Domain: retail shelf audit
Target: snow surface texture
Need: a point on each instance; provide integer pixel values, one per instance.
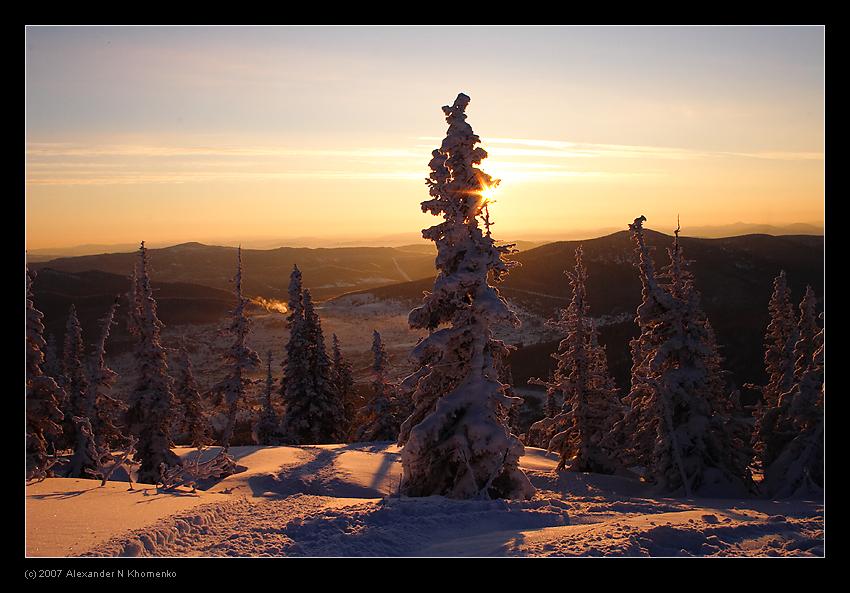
(340, 500)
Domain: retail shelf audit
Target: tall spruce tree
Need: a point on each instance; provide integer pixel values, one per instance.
(74, 379)
(772, 429)
(43, 415)
(591, 406)
(313, 409)
(675, 425)
(52, 365)
(193, 420)
(240, 359)
(151, 402)
(797, 467)
(329, 410)
(343, 381)
(98, 407)
(807, 330)
(455, 441)
(296, 390)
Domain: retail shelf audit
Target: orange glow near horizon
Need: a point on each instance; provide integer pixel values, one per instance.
(322, 136)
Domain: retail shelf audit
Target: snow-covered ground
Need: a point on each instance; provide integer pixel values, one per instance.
(341, 500)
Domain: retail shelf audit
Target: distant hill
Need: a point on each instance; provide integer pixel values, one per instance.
(747, 228)
(326, 272)
(92, 292)
(735, 276)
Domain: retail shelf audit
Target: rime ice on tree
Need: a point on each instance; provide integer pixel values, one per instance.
(151, 400)
(42, 395)
(795, 462)
(313, 409)
(74, 379)
(193, 421)
(676, 425)
(455, 443)
(772, 432)
(239, 357)
(591, 406)
(98, 412)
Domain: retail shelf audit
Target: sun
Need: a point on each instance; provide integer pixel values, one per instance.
(489, 193)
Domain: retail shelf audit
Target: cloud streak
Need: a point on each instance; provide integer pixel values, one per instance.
(528, 160)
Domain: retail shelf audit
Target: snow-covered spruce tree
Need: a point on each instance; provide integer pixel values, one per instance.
(52, 365)
(74, 380)
(591, 406)
(378, 421)
(296, 390)
(343, 381)
(266, 430)
(313, 409)
(455, 443)
(240, 358)
(675, 398)
(42, 395)
(101, 410)
(151, 399)
(807, 330)
(728, 447)
(772, 430)
(193, 421)
(798, 468)
(328, 406)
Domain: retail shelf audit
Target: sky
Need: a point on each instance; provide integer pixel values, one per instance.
(228, 134)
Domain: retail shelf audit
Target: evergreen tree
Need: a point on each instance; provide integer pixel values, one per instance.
(676, 395)
(343, 381)
(151, 400)
(797, 468)
(313, 409)
(42, 395)
(591, 406)
(772, 430)
(296, 390)
(74, 379)
(240, 358)
(98, 408)
(807, 330)
(193, 421)
(329, 410)
(266, 432)
(455, 441)
(52, 365)
(378, 421)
